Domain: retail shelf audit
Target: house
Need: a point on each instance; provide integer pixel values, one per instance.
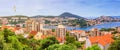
(102, 41)
(79, 34)
(95, 32)
(19, 31)
(38, 36)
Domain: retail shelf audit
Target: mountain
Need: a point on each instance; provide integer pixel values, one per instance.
(37, 16)
(108, 18)
(14, 16)
(67, 15)
(115, 16)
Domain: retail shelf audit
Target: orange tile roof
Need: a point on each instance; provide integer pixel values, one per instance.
(53, 33)
(5, 26)
(103, 40)
(59, 39)
(43, 36)
(77, 31)
(33, 33)
(14, 30)
(9, 27)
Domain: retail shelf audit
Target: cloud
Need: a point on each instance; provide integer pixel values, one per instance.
(56, 7)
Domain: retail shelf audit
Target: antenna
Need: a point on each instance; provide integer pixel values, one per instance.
(14, 8)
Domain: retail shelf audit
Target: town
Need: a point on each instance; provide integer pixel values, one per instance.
(59, 25)
(33, 28)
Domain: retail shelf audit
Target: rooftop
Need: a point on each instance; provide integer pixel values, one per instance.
(103, 40)
(61, 26)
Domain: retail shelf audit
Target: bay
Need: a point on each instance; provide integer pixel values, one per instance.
(99, 26)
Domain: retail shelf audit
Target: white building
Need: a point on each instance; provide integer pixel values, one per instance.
(61, 31)
(79, 34)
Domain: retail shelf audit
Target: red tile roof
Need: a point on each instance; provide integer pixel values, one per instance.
(77, 31)
(59, 39)
(43, 36)
(33, 33)
(5, 26)
(103, 40)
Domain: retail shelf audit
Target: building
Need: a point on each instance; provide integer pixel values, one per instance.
(34, 25)
(118, 29)
(18, 30)
(102, 41)
(46, 31)
(95, 32)
(79, 34)
(61, 32)
(28, 25)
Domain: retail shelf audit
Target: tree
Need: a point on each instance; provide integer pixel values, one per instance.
(16, 44)
(8, 46)
(70, 39)
(61, 47)
(77, 44)
(82, 22)
(66, 47)
(115, 45)
(48, 41)
(53, 39)
(7, 33)
(47, 22)
(9, 41)
(107, 29)
(53, 30)
(115, 32)
(1, 40)
(94, 47)
(53, 47)
(33, 43)
(67, 33)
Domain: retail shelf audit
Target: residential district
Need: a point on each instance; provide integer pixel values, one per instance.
(33, 28)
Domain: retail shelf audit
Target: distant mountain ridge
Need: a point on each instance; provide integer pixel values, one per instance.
(108, 19)
(67, 15)
(15, 16)
(115, 16)
(63, 15)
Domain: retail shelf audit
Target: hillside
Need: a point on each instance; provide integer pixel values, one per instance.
(67, 15)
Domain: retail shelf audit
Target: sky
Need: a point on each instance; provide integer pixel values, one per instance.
(85, 8)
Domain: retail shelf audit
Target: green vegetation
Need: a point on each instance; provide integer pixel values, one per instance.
(107, 29)
(80, 22)
(47, 22)
(94, 47)
(70, 39)
(48, 41)
(10, 41)
(115, 32)
(61, 47)
(116, 44)
(77, 44)
(53, 30)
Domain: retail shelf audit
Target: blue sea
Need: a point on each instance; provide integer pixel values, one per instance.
(99, 26)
